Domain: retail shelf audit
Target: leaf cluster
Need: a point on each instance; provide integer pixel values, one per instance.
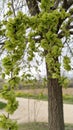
(7, 123)
(66, 62)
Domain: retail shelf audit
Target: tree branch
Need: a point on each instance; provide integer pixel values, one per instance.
(69, 48)
(2, 43)
(62, 34)
(13, 7)
(55, 5)
(33, 7)
(65, 6)
(70, 27)
(69, 3)
(71, 32)
(39, 0)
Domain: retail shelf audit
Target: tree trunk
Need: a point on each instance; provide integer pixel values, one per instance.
(55, 105)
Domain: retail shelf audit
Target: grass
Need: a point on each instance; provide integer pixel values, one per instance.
(32, 96)
(2, 105)
(40, 126)
(67, 99)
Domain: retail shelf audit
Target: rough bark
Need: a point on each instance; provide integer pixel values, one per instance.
(55, 106)
(33, 7)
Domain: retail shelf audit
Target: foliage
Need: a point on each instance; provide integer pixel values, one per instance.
(14, 46)
(2, 105)
(46, 25)
(7, 123)
(66, 61)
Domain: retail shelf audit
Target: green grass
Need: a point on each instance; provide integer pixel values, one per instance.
(2, 105)
(33, 126)
(67, 99)
(32, 96)
(40, 126)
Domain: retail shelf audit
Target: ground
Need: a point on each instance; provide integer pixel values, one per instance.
(31, 110)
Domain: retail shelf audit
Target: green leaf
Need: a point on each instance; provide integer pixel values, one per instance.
(66, 63)
(3, 75)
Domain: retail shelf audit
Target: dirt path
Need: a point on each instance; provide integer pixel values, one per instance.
(33, 110)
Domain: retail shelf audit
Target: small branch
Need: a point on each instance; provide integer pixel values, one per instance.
(20, 7)
(61, 34)
(69, 3)
(2, 43)
(33, 7)
(66, 7)
(70, 27)
(65, 4)
(71, 32)
(13, 8)
(55, 5)
(69, 48)
(39, 0)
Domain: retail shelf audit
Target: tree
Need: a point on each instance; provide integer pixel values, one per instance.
(52, 23)
(49, 22)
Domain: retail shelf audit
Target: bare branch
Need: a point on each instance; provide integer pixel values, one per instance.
(55, 5)
(12, 1)
(39, 0)
(71, 32)
(33, 7)
(70, 27)
(65, 6)
(2, 43)
(69, 48)
(62, 34)
(69, 3)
